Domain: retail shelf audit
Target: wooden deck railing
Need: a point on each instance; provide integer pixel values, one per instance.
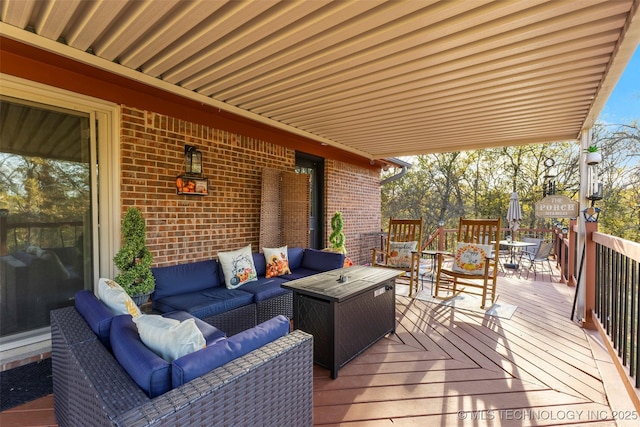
(617, 300)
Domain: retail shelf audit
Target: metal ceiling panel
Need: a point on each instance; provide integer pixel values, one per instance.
(378, 78)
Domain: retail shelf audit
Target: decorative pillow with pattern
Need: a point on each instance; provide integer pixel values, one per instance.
(277, 261)
(400, 253)
(116, 298)
(238, 267)
(169, 338)
(470, 258)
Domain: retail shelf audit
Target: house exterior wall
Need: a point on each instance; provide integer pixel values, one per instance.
(185, 227)
(355, 192)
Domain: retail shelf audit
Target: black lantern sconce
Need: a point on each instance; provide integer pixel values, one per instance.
(594, 186)
(192, 161)
(549, 185)
(192, 183)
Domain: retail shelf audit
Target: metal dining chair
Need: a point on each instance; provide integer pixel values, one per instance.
(539, 261)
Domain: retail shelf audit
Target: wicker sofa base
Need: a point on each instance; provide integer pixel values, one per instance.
(236, 320)
(269, 308)
(269, 386)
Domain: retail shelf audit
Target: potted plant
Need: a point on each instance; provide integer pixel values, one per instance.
(336, 238)
(593, 155)
(134, 258)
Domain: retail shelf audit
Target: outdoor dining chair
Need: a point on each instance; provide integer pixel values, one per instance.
(402, 249)
(540, 261)
(475, 260)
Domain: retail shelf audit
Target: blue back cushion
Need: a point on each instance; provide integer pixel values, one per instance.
(295, 257)
(314, 259)
(97, 315)
(185, 278)
(260, 264)
(202, 361)
(151, 372)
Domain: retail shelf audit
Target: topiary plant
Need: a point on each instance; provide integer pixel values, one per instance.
(337, 236)
(134, 258)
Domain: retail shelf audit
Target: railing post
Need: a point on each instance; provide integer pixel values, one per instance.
(571, 270)
(590, 275)
(441, 237)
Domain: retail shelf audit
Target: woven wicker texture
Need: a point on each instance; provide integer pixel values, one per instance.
(269, 308)
(269, 386)
(284, 212)
(234, 321)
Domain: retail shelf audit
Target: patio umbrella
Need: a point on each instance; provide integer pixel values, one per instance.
(514, 213)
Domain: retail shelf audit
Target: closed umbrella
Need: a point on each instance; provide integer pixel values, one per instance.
(514, 213)
(514, 216)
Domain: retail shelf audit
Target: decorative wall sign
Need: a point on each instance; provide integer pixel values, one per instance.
(192, 186)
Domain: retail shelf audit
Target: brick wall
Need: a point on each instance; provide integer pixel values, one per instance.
(185, 227)
(354, 191)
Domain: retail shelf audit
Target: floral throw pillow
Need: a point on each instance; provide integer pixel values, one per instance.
(470, 258)
(238, 267)
(400, 254)
(277, 261)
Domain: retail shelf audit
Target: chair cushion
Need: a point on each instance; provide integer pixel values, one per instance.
(97, 315)
(317, 260)
(169, 338)
(185, 278)
(206, 303)
(199, 363)
(277, 261)
(264, 288)
(114, 297)
(238, 267)
(299, 273)
(470, 258)
(400, 253)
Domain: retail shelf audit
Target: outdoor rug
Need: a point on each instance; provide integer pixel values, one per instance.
(467, 302)
(25, 383)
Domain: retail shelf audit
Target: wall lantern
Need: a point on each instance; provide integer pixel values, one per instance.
(591, 214)
(192, 161)
(192, 183)
(594, 186)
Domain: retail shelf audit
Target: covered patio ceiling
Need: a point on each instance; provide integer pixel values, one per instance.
(377, 78)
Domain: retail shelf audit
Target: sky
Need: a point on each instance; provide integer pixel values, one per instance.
(623, 104)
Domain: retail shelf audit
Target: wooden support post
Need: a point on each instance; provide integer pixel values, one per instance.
(590, 275)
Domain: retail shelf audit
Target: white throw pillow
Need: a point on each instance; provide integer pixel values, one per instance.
(116, 298)
(238, 267)
(169, 338)
(400, 253)
(277, 261)
(470, 258)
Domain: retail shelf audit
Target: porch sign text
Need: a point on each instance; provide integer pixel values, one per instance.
(557, 207)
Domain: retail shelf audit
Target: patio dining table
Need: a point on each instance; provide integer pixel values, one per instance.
(513, 245)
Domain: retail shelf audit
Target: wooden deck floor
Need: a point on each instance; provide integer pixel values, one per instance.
(448, 366)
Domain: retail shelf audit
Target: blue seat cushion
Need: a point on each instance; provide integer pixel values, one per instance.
(202, 361)
(260, 264)
(151, 372)
(185, 278)
(264, 288)
(97, 315)
(211, 333)
(205, 303)
(314, 259)
(299, 273)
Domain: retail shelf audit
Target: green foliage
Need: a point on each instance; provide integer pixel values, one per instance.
(477, 184)
(134, 258)
(337, 237)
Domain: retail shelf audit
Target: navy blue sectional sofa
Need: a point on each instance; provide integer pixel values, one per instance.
(103, 375)
(198, 288)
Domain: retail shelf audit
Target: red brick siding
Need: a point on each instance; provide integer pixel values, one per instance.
(354, 191)
(184, 227)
